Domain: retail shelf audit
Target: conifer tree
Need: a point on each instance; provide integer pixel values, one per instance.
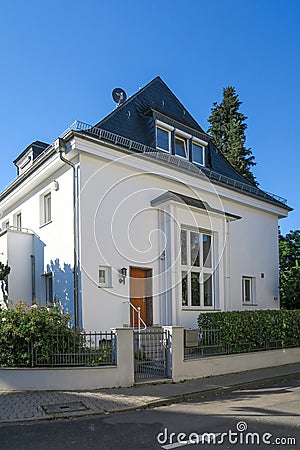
(227, 128)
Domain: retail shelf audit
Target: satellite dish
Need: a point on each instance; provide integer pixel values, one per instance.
(119, 96)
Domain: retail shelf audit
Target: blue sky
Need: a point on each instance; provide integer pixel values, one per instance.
(60, 61)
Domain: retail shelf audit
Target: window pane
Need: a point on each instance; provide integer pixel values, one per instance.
(183, 247)
(195, 260)
(206, 250)
(47, 208)
(101, 276)
(180, 147)
(49, 292)
(184, 287)
(198, 154)
(247, 290)
(208, 300)
(162, 139)
(195, 288)
(19, 221)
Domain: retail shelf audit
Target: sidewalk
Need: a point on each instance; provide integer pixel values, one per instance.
(37, 405)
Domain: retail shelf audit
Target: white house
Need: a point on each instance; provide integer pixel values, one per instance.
(140, 212)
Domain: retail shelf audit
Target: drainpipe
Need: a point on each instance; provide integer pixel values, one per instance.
(62, 149)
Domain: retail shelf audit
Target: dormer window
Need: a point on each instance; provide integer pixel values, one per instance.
(180, 147)
(163, 139)
(198, 153)
(180, 143)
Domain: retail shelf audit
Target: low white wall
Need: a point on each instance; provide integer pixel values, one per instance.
(39, 379)
(221, 365)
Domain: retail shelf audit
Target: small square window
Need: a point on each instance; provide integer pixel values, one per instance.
(163, 139)
(104, 276)
(198, 154)
(5, 225)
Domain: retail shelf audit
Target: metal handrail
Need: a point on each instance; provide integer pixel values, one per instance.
(171, 159)
(140, 320)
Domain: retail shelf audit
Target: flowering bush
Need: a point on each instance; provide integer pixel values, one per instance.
(23, 328)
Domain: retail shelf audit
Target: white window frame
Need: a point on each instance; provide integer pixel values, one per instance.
(5, 225)
(107, 282)
(48, 279)
(201, 269)
(166, 130)
(45, 215)
(251, 281)
(185, 142)
(203, 152)
(18, 221)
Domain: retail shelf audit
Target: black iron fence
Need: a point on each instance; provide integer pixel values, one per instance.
(213, 343)
(80, 350)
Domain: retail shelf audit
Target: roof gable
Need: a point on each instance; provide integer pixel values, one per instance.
(134, 118)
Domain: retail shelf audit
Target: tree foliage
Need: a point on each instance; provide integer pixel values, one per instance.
(289, 265)
(22, 326)
(4, 271)
(227, 128)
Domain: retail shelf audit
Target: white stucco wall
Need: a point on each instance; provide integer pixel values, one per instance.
(254, 253)
(53, 244)
(119, 228)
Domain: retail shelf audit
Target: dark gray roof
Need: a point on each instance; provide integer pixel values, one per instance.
(135, 120)
(37, 147)
(190, 201)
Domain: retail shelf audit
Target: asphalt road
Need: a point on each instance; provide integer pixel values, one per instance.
(247, 419)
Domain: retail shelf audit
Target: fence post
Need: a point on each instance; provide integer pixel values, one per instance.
(125, 355)
(175, 350)
(32, 353)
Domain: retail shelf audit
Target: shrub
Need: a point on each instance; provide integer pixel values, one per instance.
(271, 328)
(23, 328)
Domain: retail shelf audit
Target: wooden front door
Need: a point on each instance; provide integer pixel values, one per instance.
(141, 295)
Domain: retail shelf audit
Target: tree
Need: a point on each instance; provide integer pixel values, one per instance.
(4, 272)
(227, 128)
(289, 266)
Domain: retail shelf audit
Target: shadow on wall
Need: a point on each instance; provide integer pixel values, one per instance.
(63, 285)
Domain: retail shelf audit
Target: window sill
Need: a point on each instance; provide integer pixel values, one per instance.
(163, 150)
(46, 223)
(104, 287)
(198, 164)
(249, 304)
(199, 308)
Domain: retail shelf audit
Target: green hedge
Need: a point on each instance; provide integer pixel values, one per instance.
(22, 327)
(257, 327)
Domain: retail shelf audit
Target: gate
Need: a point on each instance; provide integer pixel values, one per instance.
(150, 354)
